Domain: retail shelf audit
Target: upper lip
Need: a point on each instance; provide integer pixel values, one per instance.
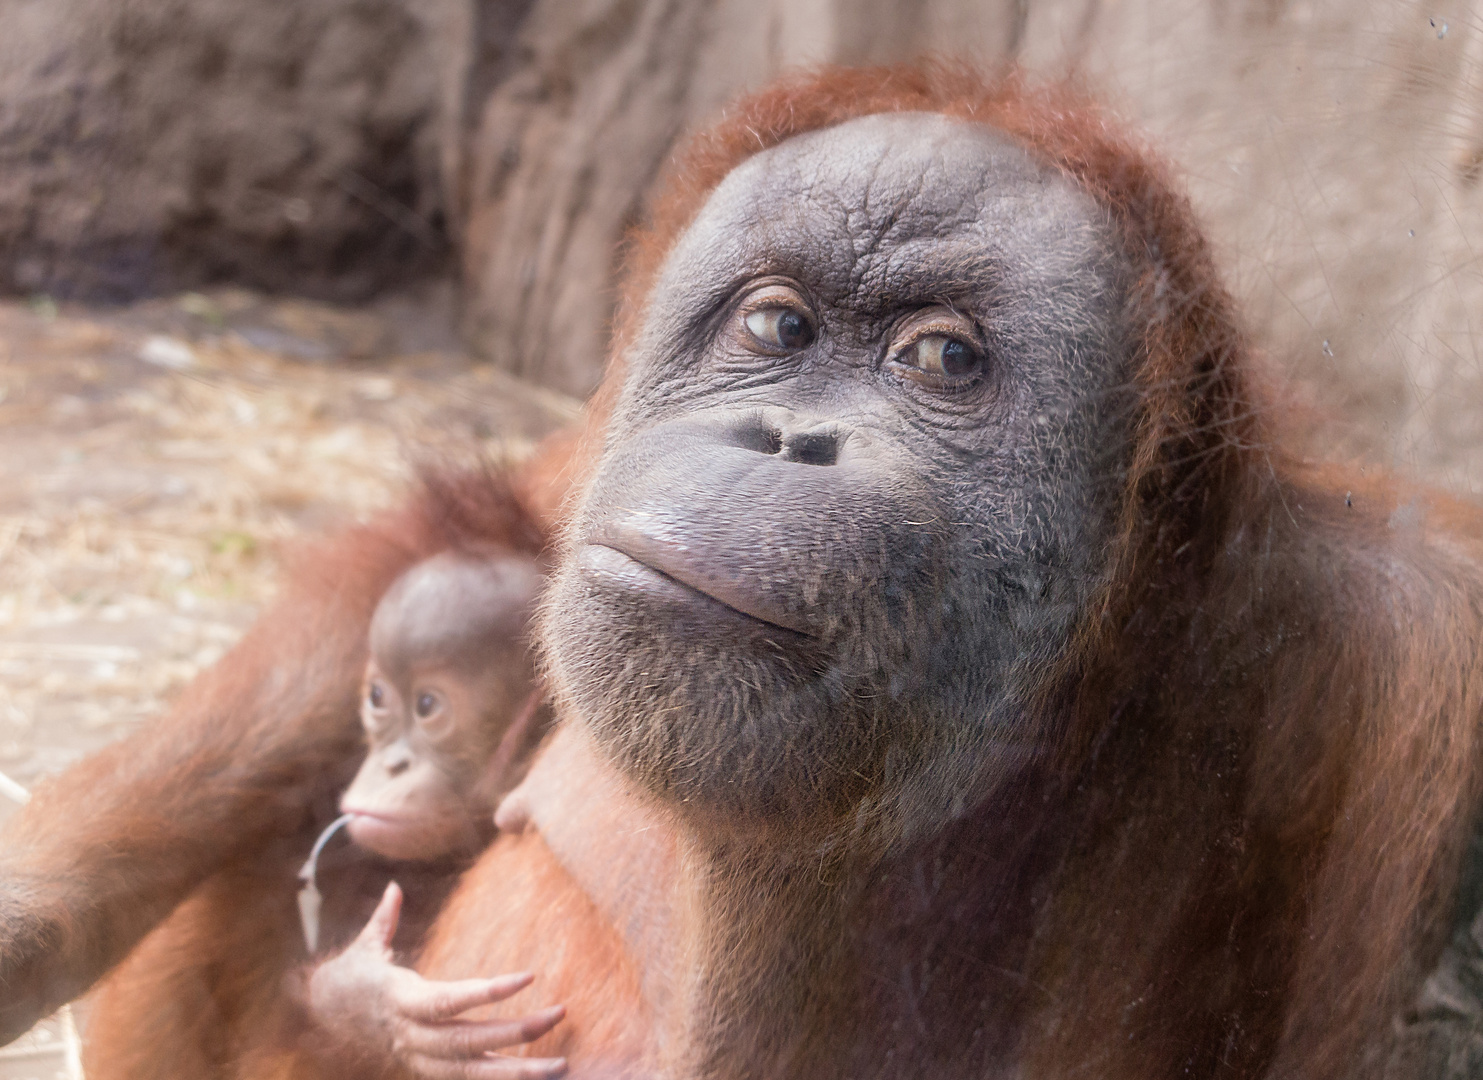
(649, 551)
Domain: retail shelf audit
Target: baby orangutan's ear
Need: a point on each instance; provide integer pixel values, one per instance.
(516, 748)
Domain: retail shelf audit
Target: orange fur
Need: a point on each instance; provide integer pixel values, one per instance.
(517, 909)
(1263, 759)
(520, 910)
(229, 789)
(198, 992)
(1266, 734)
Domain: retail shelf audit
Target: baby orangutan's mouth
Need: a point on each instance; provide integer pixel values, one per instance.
(385, 835)
(363, 820)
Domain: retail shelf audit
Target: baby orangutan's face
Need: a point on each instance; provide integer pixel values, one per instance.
(426, 788)
(449, 704)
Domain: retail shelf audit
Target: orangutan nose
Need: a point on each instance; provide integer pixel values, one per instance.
(806, 444)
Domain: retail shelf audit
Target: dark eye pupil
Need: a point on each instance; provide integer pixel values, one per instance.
(957, 358)
(377, 697)
(792, 330)
(425, 704)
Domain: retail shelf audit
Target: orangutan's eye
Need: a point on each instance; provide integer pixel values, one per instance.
(434, 716)
(942, 356)
(376, 696)
(938, 348)
(782, 328)
(775, 317)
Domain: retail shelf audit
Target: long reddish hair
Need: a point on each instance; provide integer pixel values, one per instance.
(1258, 754)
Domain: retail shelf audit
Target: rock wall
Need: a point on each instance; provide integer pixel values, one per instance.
(147, 145)
(1335, 148)
(335, 147)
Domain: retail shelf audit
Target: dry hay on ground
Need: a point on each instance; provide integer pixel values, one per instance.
(157, 457)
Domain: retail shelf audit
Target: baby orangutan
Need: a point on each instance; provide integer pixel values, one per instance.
(452, 710)
(449, 706)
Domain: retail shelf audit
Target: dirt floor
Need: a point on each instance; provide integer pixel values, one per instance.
(153, 462)
(157, 457)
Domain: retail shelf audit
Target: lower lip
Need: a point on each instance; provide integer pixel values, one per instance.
(609, 566)
(371, 830)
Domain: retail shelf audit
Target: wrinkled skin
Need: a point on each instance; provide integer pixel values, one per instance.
(852, 498)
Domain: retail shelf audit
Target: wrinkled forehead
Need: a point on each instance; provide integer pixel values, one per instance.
(880, 198)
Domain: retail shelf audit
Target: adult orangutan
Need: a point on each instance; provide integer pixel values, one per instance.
(957, 678)
(989, 692)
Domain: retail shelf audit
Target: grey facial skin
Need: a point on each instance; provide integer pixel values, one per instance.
(853, 492)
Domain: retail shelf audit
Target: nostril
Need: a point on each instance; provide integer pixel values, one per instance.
(759, 438)
(812, 447)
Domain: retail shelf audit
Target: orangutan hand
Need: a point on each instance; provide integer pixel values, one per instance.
(363, 1000)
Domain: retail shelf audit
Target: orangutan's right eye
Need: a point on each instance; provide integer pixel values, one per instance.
(776, 319)
(780, 328)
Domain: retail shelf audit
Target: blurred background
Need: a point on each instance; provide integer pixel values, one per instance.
(256, 257)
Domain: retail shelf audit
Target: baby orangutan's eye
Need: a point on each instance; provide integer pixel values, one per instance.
(374, 714)
(433, 715)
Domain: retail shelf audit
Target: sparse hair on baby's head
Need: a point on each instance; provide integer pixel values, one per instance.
(454, 609)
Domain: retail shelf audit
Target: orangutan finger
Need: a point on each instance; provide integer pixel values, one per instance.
(381, 927)
(471, 1039)
(432, 1002)
(488, 1068)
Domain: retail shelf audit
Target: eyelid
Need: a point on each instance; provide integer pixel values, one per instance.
(762, 286)
(939, 322)
(936, 323)
(772, 292)
(765, 299)
(956, 333)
